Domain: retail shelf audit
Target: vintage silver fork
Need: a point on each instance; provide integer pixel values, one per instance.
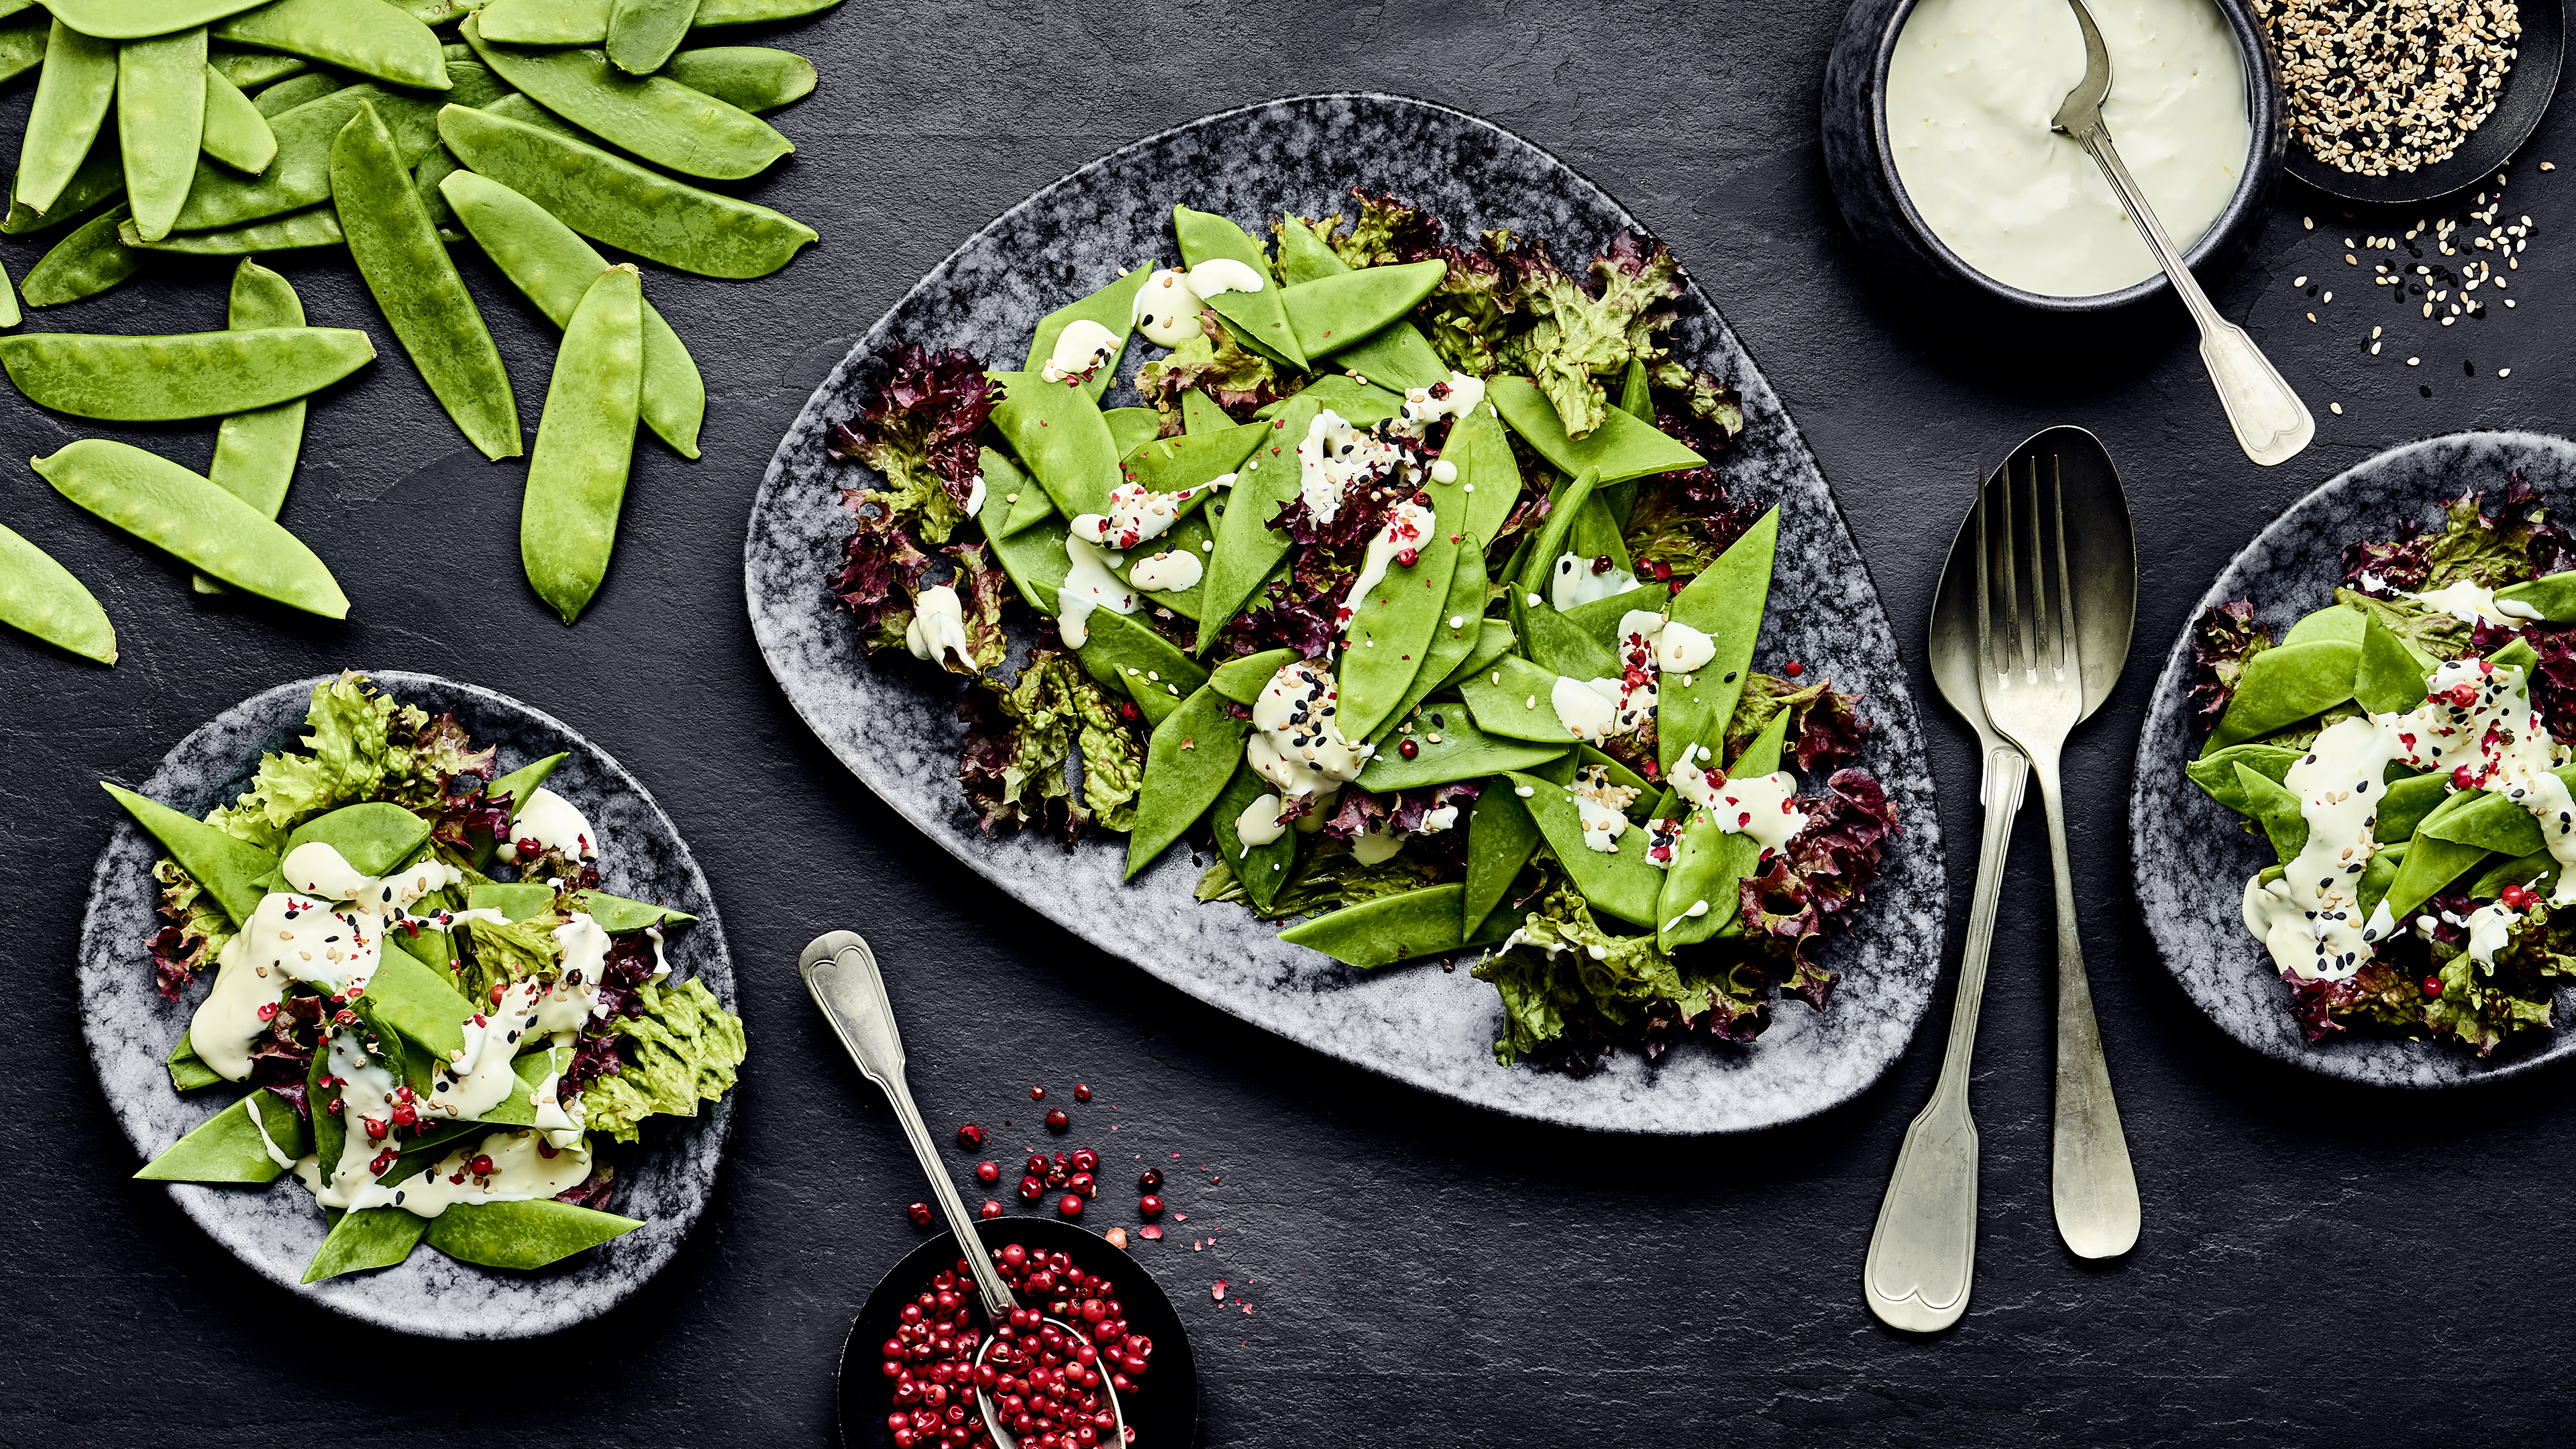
(2032, 683)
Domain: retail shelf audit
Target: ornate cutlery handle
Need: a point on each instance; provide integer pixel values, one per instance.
(2091, 1183)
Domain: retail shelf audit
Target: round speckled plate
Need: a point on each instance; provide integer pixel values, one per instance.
(2192, 856)
(896, 727)
(663, 1180)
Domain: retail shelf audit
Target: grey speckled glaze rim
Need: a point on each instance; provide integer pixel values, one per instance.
(664, 1180)
(1418, 1025)
(2192, 858)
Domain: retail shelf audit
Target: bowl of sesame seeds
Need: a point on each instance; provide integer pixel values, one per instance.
(2404, 101)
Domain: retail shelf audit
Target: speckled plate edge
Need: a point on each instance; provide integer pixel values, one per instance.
(1433, 1030)
(2192, 858)
(665, 1180)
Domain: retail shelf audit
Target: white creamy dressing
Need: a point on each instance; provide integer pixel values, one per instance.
(1136, 514)
(1574, 584)
(1601, 808)
(573, 999)
(1671, 646)
(258, 1122)
(1408, 529)
(1764, 807)
(1167, 572)
(1079, 351)
(562, 1123)
(367, 1093)
(2490, 926)
(1663, 839)
(1970, 91)
(524, 1167)
(1168, 305)
(555, 824)
(1600, 709)
(1336, 456)
(975, 497)
(480, 1077)
(2471, 602)
(1295, 742)
(1260, 823)
(1087, 585)
(938, 627)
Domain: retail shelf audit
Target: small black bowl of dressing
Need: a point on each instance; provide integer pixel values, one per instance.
(2012, 214)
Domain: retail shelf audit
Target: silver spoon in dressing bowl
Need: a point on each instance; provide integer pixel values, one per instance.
(2271, 424)
(842, 973)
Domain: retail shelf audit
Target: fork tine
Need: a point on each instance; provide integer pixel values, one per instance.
(2008, 655)
(2035, 615)
(2070, 644)
(1985, 587)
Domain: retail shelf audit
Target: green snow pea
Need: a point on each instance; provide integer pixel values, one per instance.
(1494, 639)
(1257, 317)
(1726, 603)
(585, 22)
(1482, 453)
(1514, 700)
(2334, 621)
(1303, 256)
(1129, 428)
(376, 1237)
(1355, 402)
(1390, 929)
(90, 259)
(2270, 805)
(314, 226)
(615, 201)
(373, 836)
(550, 262)
(1174, 465)
(1247, 547)
(1619, 881)
(233, 130)
(2552, 597)
(407, 995)
(518, 900)
(1059, 434)
(1242, 679)
(423, 299)
(166, 505)
(1033, 558)
(22, 45)
(522, 1235)
(1113, 306)
(1711, 859)
(1331, 314)
(2387, 680)
(2430, 865)
(2216, 774)
(2538, 871)
(100, 176)
(42, 597)
(1141, 663)
(300, 175)
(523, 783)
(1595, 532)
(1199, 413)
(250, 69)
(188, 1071)
(2408, 801)
(755, 77)
(160, 123)
(229, 867)
(1501, 838)
(230, 1147)
(1391, 629)
(585, 445)
(294, 91)
(2284, 685)
(373, 40)
(188, 375)
(71, 100)
(1191, 757)
(1461, 751)
(659, 120)
(1636, 399)
(2488, 821)
(1192, 535)
(435, 13)
(1641, 809)
(1621, 448)
(141, 19)
(2516, 655)
(643, 33)
(1456, 634)
(1261, 868)
(618, 915)
(1555, 643)
(1538, 570)
(1397, 355)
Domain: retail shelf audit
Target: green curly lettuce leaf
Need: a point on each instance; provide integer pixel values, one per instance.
(1581, 334)
(1326, 878)
(1568, 984)
(1234, 377)
(362, 746)
(682, 1051)
(1017, 764)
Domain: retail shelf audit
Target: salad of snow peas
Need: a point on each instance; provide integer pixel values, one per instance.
(2405, 751)
(434, 1052)
(1407, 593)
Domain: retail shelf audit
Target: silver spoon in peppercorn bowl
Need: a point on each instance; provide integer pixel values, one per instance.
(841, 972)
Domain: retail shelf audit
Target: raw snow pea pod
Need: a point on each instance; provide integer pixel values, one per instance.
(100, 176)
(1174, 465)
(1331, 314)
(141, 19)
(1621, 448)
(233, 130)
(1636, 399)
(755, 77)
(90, 259)
(522, 1235)
(1619, 882)
(1061, 437)
(1303, 256)
(407, 995)
(2270, 805)
(658, 120)
(42, 597)
(160, 122)
(188, 1071)
(1241, 679)
(549, 262)
(1513, 699)
(374, 836)
(255, 452)
(2286, 684)
(166, 505)
(1130, 428)
(1397, 355)
(1247, 547)
(618, 915)
(314, 226)
(1394, 621)
(2540, 872)
(2552, 597)
(230, 1147)
(1554, 642)
(2488, 821)
(1112, 307)
(373, 40)
(2387, 679)
(1456, 632)
(300, 175)
(188, 375)
(227, 866)
(251, 69)
(22, 45)
(1199, 413)
(1263, 869)
(615, 201)
(1257, 317)
(1193, 754)
(1538, 568)
(585, 445)
(1358, 403)
(71, 100)
(1699, 895)
(1726, 603)
(1501, 838)
(417, 288)
(585, 22)
(2216, 774)
(1461, 752)
(376, 1237)
(1481, 451)
(1641, 809)
(1494, 639)
(1033, 558)
(1390, 929)
(286, 95)
(1140, 663)
(2334, 621)
(2429, 866)
(1193, 536)
(643, 33)
(517, 901)
(2406, 804)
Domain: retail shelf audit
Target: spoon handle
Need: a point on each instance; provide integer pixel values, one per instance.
(2271, 423)
(1922, 1254)
(2091, 1183)
(842, 973)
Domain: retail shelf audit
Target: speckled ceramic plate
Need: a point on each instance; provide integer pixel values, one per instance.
(2192, 856)
(663, 1180)
(895, 726)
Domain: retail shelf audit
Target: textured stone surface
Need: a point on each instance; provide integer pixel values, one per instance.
(1422, 1273)
(895, 722)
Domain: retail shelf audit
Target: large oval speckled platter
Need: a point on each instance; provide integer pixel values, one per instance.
(663, 1180)
(896, 728)
(2192, 856)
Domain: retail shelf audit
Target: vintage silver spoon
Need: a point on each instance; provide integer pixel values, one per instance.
(842, 973)
(2271, 424)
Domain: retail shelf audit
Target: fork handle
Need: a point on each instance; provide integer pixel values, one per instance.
(2091, 1184)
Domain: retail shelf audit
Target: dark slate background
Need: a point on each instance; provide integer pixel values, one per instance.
(2318, 1259)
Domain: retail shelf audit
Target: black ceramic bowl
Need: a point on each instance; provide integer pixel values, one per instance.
(1862, 167)
(1164, 1411)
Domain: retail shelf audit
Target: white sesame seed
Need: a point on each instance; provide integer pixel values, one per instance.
(2309, 222)
(2414, 362)
(2504, 372)
(2299, 281)
(2338, 408)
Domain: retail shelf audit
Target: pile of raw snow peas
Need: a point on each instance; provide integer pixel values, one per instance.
(240, 127)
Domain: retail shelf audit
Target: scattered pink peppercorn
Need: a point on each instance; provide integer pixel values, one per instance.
(919, 1213)
(990, 1209)
(1032, 1188)
(988, 1172)
(1150, 1179)
(1057, 1121)
(1793, 669)
(970, 1136)
(1037, 1094)
(1150, 1205)
(1068, 1206)
(1084, 1160)
(2432, 986)
(1081, 1091)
